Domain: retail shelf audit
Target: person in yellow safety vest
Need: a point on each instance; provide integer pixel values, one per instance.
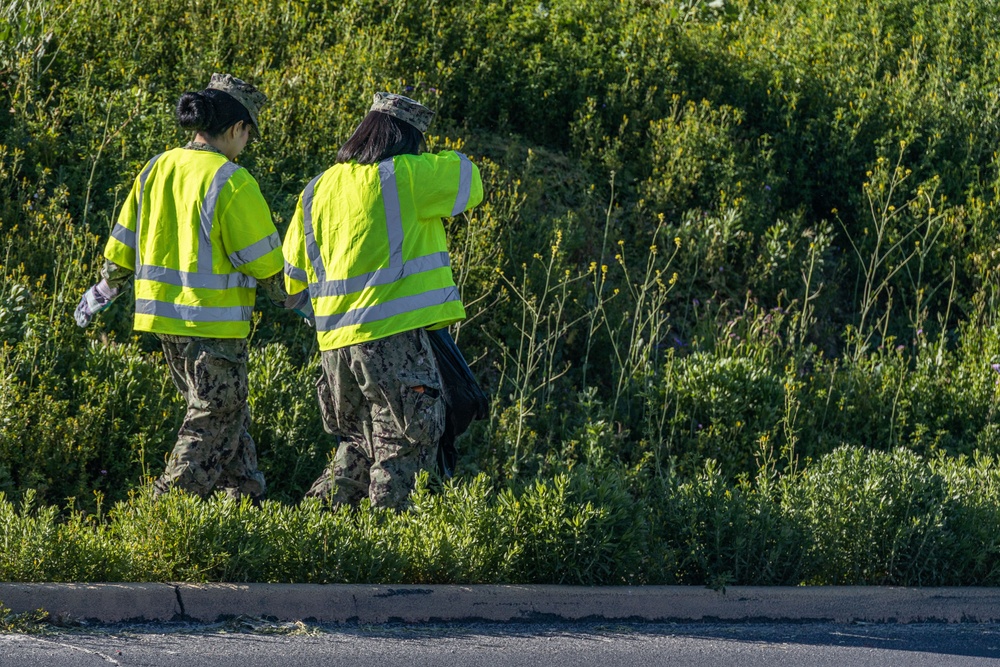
(366, 251)
(197, 235)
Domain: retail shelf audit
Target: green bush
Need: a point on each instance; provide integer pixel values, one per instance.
(292, 447)
(717, 408)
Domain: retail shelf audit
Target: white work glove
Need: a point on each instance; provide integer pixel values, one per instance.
(94, 300)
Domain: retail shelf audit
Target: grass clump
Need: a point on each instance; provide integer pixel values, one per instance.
(29, 622)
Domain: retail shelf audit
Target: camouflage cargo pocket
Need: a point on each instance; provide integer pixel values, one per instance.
(220, 376)
(343, 409)
(423, 409)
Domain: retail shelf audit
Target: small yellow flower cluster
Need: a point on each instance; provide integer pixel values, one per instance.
(555, 246)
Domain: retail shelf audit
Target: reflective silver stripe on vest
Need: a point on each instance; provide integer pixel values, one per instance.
(220, 179)
(312, 248)
(255, 250)
(385, 276)
(138, 209)
(387, 309)
(393, 215)
(192, 313)
(464, 185)
(295, 273)
(195, 280)
(123, 234)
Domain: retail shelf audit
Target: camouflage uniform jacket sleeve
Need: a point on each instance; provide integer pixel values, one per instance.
(116, 276)
(274, 288)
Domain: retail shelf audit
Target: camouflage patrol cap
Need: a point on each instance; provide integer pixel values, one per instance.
(244, 93)
(403, 108)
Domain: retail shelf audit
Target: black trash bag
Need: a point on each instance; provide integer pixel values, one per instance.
(464, 400)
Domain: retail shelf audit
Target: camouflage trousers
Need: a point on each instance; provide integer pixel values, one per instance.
(214, 448)
(383, 398)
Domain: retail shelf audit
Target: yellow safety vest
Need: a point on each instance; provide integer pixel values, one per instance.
(368, 244)
(197, 232)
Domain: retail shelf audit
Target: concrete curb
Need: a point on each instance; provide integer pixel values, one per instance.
(112, 603)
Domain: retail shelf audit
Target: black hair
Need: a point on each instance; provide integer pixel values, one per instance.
(211, 112)
(380, 137)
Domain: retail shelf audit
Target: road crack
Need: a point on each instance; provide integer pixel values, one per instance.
(180, 601)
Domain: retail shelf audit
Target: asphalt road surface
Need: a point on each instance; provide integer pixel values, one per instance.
(249, 643)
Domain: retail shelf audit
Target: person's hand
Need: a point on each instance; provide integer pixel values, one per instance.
(300, 304)
(93, 301)
(308, 318)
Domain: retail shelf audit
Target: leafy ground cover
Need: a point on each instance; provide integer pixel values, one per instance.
(742, 249)
(857, 517)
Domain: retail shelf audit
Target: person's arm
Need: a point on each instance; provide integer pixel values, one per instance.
(274, 289)
(296, 261)
(253, 238)
(441, 184)
(248, 233)
(119, 263)
(115, 276)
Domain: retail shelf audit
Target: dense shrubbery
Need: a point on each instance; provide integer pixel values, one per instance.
(746, 234)
(856, 518)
